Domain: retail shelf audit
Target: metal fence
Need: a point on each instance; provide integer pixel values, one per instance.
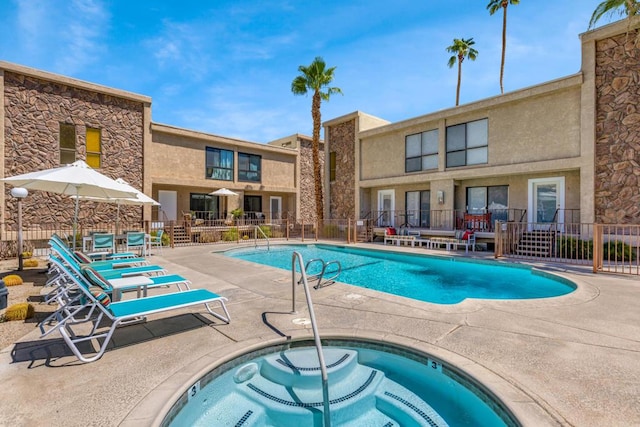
(608, 248)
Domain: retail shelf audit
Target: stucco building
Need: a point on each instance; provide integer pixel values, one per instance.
(563, 151)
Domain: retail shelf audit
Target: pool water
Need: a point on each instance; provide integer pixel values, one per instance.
(426, 278)
(369, 384)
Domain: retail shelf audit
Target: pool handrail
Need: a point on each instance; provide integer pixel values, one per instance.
(257, 228)
(316, 336)
(320, 275)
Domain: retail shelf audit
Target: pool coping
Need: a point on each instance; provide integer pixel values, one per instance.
(523, 406)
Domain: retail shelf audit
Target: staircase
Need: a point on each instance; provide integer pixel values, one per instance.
(180, 235)
(286, 391)
(537, 244)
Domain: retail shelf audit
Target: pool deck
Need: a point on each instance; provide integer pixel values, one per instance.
(567, 361)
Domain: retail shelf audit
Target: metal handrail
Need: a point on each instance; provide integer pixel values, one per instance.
(320, 275)
(314, 327)
(257, 228)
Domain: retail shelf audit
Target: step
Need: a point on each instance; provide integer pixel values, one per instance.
(405, 407)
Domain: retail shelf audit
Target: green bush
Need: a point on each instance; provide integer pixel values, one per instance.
(166, 240)
(618, 251)
(330, 230)
(572, 248)
(230, 235)
(266, 230)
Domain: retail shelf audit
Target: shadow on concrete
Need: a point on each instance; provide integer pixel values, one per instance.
(271, 326)
(49, 351)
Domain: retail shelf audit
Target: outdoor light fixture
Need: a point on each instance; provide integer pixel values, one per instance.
(19, 193)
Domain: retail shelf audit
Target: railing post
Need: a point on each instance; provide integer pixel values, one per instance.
(317, 229)
(287, 232)
(597, 247)
(302, 230)
(349, 231)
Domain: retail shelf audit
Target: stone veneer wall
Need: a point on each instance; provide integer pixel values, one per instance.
(307, 189)
(617, 151)
(34, 109)
(342, 191)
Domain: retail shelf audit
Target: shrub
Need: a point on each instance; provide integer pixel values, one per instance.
(20, 311)
(12, 280)
(230, 235)
(618, 251)
(266, 230)
(572, 248)
(330, 230)
(209, 236)
(31, 262)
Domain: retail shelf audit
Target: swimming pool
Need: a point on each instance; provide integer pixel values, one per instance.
(370, 383)
(426, 278)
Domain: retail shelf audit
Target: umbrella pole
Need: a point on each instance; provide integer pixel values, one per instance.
(75, 223)
(118, 219)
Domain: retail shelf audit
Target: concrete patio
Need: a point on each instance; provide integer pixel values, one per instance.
(566, 361)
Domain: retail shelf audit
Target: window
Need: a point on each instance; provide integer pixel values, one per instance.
(94, 148)
(467, 143)
(418, 208)
(494, 199)
(332, 166)
(205, 206)
(253, 207)
(219, 164)
(67, 144)
(421, 151)
(249, 167)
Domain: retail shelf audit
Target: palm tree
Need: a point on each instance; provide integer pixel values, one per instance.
(461, 49)
(629, 8)
(315, 78)
(494, 6)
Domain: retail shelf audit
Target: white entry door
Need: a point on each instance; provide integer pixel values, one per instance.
(546, 197)
(275, 205)
(168, 205)
(386, 208)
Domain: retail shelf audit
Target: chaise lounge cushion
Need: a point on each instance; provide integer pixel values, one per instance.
(466, 235)
(390, 231)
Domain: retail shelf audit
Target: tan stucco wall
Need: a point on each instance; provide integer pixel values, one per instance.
(179, 156)
(526, 130)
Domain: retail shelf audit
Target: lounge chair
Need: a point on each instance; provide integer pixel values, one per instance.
(100, 309)
(112, 273)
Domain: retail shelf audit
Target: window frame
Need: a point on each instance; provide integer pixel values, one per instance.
(242, 173)
(215, 168)
(332, 166)
(67, 150)
(424, 155)
(93, 153)
(462, 147)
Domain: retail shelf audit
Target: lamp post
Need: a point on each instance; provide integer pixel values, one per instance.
(19, 193)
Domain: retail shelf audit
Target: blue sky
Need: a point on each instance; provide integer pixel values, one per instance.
(226, 67)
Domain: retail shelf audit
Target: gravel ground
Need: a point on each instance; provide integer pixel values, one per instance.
(33, 281)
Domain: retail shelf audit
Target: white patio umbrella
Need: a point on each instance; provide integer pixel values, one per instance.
(140, 199)
(76, 179)
(223, 192)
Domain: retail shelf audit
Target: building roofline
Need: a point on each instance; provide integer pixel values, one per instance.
(190, 133)
(613, 29)
(68, 81)
(526, 92)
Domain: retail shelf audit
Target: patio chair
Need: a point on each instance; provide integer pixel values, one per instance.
(103, 256)
(137, 240)
(71, 313)
(156, 241)
(104, 242)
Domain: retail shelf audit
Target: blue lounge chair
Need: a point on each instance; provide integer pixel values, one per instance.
(112, 272)
(99, 308)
